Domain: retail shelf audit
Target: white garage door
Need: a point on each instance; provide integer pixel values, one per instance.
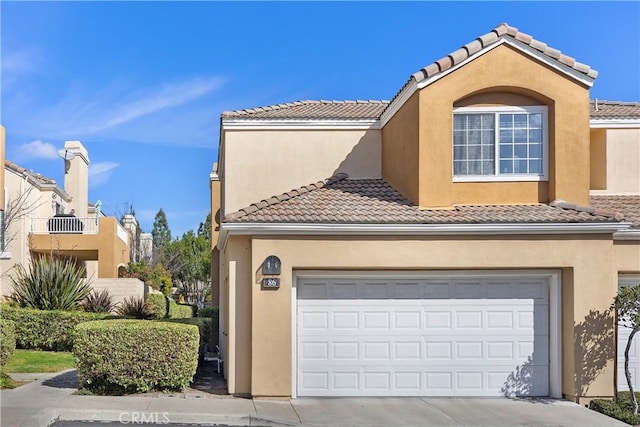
(423, 336)
(634, 352)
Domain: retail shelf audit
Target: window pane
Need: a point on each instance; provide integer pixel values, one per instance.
(520, 120)
(488, 167)
(506, 151)
(520, 135)
(535, 166)
(459, 137)
(474, 121)
(488, 121)
(475, 167)
(520, 151)
(473, 152)
(459, 168)
(520, 166)
(506, 166)
(506, 135)
(506, 121)
(535, 135)
(459, 121)
(535, 151)
(535, 120)
(459, 153)
(488, 137)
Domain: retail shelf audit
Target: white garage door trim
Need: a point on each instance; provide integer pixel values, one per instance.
(634, 356)
(555, 307)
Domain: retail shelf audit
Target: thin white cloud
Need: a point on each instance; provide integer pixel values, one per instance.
(167, 96)
(38, 149)
(99, 173)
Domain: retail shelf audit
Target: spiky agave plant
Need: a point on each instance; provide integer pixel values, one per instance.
(50, 283)
(99, 302)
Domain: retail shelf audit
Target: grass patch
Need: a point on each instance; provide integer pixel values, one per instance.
(29, 361)
(620, 409)
(6, 381)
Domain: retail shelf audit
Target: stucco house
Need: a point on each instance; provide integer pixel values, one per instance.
(39, 218)
(466, 238)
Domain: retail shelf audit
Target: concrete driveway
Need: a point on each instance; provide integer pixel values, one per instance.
(50, 397)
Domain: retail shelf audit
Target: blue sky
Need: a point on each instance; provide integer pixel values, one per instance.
(142, 84)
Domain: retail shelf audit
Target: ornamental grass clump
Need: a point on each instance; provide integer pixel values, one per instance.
(132, 356)
(50, 283)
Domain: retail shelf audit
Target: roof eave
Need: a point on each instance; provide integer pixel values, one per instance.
(298, 124)
(271, 229)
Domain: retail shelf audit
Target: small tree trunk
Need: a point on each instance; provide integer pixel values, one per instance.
(627, 372)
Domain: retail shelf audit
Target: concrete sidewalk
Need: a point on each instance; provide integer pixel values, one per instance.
(50, 398)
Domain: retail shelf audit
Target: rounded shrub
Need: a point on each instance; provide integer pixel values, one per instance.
(135, 356)
(7, 340)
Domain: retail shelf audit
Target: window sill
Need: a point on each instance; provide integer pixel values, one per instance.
(5, 255)
(504, 178)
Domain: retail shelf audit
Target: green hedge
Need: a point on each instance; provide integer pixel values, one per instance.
(158, 306)
(45, 329)
(7, 340)
(208, 340)
(620, 410)
(164, 307)
(142, 355)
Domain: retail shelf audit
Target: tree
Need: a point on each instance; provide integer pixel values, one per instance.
(18, 207)
(204, 229)
(191, 270)
(160, 233)
(627, 306)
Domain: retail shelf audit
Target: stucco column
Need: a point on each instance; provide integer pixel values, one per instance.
(76, 177)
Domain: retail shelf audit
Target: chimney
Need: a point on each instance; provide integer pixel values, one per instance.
(76, 177)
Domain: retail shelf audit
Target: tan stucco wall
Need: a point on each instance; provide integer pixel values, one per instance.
(590, 283)
(621, 163)
(627, 256)
(598, 156)
(400, 147)
(76, 179)
(501, 70)
(261, 164)
(105, 247)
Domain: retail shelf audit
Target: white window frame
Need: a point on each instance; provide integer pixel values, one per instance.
(497, 177)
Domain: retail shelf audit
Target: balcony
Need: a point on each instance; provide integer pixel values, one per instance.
(64, 224)
(86, 239)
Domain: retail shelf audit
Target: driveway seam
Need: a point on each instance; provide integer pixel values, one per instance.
(437, 409)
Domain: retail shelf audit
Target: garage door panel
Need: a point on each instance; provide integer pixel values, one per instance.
(634, 351)
(481, 344)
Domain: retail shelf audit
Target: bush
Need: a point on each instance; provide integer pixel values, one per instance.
(158, 306)
(50, 284)
(207, 311)
(7, 340)
(205, 326)
(99, 302)
(140, 358)
(180, 311)
(46, 329)
(620, 410)
(134, 307)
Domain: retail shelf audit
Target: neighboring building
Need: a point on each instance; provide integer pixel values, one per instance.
(41, 218)
(440, 244)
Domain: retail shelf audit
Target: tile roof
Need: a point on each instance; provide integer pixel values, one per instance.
(629, 206)
(339, 200)
(614, 110)
(41, 179)
(313, 109)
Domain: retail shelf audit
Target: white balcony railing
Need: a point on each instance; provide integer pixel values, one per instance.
(64, 225)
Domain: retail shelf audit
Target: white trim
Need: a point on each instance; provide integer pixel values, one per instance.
(631, 234)
(555, 308)
(405, 93)
(231, 333)
(553, 63)
(5, 255)
(294, 336)
(614, 123)
(299, 124)
(262, 229)
(507, 177)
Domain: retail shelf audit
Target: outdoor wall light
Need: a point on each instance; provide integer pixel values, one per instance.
(271, 265)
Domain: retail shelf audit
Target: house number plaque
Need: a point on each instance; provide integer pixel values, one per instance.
(271, 283)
